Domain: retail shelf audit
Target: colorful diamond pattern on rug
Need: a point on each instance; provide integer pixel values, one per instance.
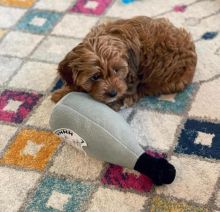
(94, 7)
(176, 103)
(16, 105)
(31, 149)
(38, 173)
(201, 138)
(127, 179)
(55, 194)
(38, 21)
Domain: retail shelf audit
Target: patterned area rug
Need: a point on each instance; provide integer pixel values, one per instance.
(38, 172)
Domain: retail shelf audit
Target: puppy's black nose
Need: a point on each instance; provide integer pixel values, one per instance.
(112, 93)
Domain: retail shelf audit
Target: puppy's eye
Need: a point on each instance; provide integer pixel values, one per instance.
(95, 77)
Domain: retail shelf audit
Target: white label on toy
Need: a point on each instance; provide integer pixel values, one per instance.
(71, 138)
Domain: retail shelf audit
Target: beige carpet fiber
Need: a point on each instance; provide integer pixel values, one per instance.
(38, 172)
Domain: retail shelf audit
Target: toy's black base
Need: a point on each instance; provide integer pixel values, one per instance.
(158, 169)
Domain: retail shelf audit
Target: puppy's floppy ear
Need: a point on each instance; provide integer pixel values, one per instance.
(133, 54)
(67, 70)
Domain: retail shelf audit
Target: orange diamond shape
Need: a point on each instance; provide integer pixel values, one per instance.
(31, 149)
(18, 3)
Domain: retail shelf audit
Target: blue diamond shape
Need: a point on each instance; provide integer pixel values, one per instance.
(209, 35)
(49, 19)
(78, 192)
(187, 145)
(59, 84)
(180, 104)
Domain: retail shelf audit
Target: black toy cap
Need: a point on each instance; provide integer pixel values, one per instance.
(158, 169)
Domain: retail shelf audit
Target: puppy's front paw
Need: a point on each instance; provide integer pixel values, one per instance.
(60, 93)
(57, 96)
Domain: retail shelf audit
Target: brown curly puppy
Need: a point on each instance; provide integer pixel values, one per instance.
(120, 62)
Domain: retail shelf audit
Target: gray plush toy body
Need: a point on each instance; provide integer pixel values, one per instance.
(102, 133)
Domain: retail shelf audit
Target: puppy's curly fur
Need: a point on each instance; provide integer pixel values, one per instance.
(120, 62)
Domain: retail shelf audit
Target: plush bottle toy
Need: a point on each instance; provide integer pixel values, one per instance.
(102, 133)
